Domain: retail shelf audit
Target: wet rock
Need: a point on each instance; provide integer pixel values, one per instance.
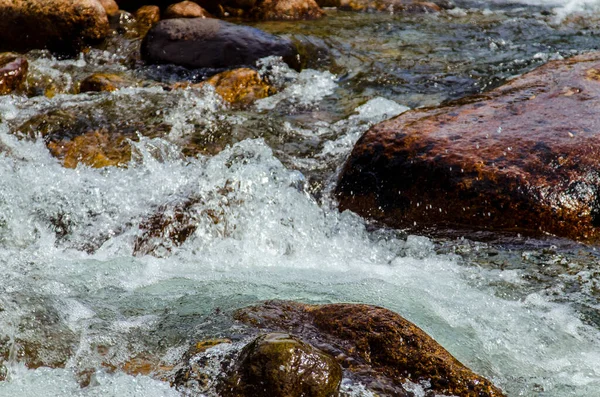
(110, 7)
(96, 149)
(97, 139)
(282, 365)
(286, 10)
(99, 82)
(239, 86)
(523, 157)
(60, 25)
(13, 72)
(396, 6)
(186, 9)
(377, 347)
(211, 43)
(173, 223)
(147, 16)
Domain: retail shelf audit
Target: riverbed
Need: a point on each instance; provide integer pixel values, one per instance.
(520, 311)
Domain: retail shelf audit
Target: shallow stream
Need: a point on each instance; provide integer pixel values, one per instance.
(523, 312)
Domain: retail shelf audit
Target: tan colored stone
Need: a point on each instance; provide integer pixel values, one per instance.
(239, 86)
(186, 9)
(146, 17)
(97, 149)
(286, 10)
(110, 6)
(99, 82)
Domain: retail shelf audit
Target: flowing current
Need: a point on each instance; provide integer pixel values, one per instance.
(524, 313)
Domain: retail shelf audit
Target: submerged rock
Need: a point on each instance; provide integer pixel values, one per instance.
(286, 10)
(377, 347)
(186, 9)
(96, 149)
(239, 86)
(99, 82)
(211, 43)
(282, 365)
(397, 6)
(523, 157)
(59, 25)
(13, 72)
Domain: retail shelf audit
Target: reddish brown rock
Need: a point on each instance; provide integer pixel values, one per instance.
(373, 343)
(13, 72)
(524, 156)
(186, 9)
(99, 82)
(147, 16)
(59, 25)
(286, 10)
(110, 6)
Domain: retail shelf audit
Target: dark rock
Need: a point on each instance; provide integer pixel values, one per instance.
(99, 82)
(286, 10)
(147, 16)
(378, 347)
(524, 157)
(211, 43)
(282, 365)
(59, 25)
(186, 9)
(13, 72)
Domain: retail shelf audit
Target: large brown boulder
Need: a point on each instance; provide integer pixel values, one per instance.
(525, 156)
(377, 346)
(211, 43)
(59, 25)
(13, 72)
(282, 365)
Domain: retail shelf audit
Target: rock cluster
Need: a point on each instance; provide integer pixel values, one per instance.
(375, 346)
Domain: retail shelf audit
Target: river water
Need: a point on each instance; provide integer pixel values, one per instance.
(522, 312)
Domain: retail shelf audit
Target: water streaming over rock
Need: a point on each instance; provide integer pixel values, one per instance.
(75, 295)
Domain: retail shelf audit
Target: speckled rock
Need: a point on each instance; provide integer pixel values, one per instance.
(185, 9)
(59, 25)
(282, 365)
(211, 43)
(374, 344)
(523, 157)
(286, 10)
(13, 72)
